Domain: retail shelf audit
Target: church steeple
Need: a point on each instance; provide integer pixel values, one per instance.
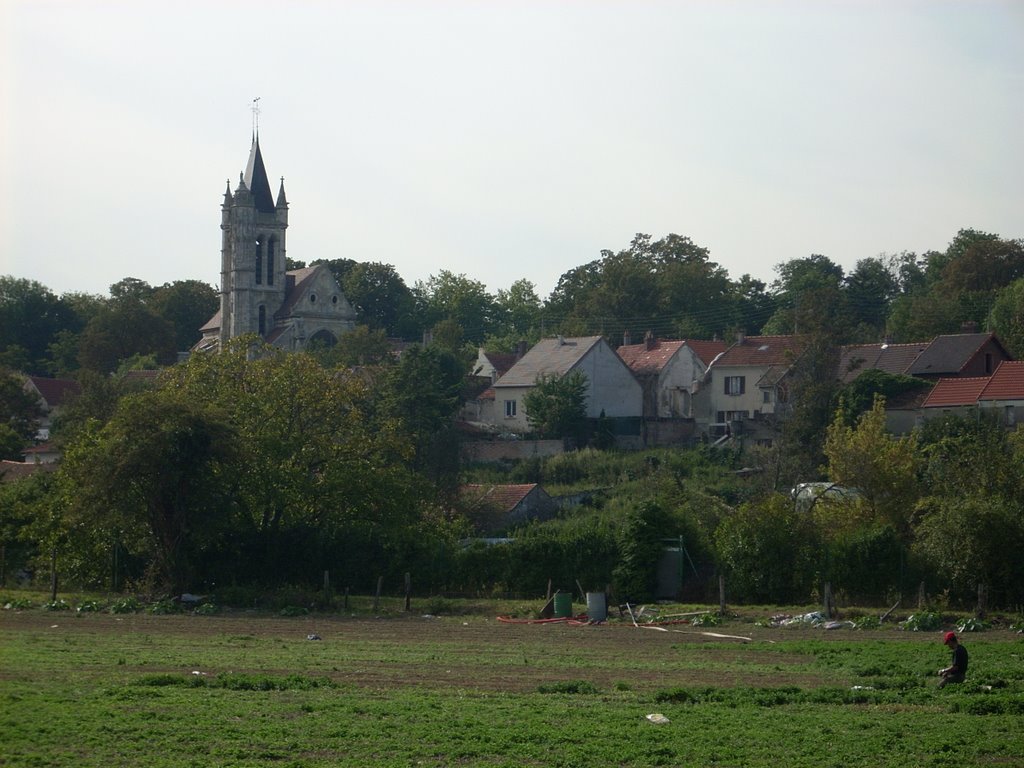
(256, 178)
(282, 201)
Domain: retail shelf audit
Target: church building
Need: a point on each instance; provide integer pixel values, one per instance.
(258, 294)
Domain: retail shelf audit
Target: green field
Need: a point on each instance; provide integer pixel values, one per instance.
(245, 689)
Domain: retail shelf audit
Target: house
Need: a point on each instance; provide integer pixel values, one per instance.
(667, 371)
(612, 389)
(946, 356)
(494, 507)
(44, 453)
(494, 365)
(1001, 394)
(889, 358)
(960, 355)
(744, 388)
(52, 394)
(258, 294)
(12, 471)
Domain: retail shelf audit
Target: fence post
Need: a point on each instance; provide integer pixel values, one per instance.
(920, 596)
(829, 603)
(721, 594)
(408, 589)
(346, 598)
(376, 596)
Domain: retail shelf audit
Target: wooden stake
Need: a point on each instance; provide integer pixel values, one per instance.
(721, 594)
(408, 589)
(376, 597)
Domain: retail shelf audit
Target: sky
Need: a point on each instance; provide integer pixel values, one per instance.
(504, 139)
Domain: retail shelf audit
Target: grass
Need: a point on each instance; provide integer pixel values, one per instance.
(249, 689)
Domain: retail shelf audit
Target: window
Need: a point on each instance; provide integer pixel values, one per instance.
(270, 261)
(764, 442)
(766, 396)
(259, 261)
(312, 298)
(735, 385)
(263, 320)
(510, 409)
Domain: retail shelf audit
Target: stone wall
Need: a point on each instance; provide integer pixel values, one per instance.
(497, 450)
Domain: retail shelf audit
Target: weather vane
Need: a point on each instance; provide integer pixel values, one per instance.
(256, 115)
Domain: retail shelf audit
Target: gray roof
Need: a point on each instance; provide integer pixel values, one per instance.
(256, 179)
(948, 354)
(555, 356)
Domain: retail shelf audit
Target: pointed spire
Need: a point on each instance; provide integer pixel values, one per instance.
(227, 194)
(282, 201)
(256, 178)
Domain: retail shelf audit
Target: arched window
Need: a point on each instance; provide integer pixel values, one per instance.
(263, 320)
(271, 247)
(259, 260)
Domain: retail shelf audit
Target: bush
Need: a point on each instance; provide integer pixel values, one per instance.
(568, 686)
(124, 605)
(927, 621)
(56, 605)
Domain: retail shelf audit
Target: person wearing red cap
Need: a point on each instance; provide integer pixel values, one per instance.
(957, 671)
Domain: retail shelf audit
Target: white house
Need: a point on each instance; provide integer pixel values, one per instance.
(612, 389)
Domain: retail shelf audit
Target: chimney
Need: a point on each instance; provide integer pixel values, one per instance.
(741, 336)
(649, 340)
(520, 348)
(968, 326)
(627, 339)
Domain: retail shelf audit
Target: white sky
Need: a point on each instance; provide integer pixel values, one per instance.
(506, 139)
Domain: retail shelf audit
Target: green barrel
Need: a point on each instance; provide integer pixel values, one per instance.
(563, 605)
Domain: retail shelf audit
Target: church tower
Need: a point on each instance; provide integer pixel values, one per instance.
(258, 294)
(253, 280)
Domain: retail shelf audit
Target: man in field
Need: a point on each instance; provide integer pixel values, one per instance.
(957, 671)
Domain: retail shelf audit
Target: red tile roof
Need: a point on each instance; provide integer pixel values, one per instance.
(55, 391)
(504, 498)
(16, 470)
(643, 359)
(762, 350)
(706, 350)
(1007, 383)
(952, 392)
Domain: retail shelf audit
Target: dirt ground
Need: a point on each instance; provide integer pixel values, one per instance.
(479, 653)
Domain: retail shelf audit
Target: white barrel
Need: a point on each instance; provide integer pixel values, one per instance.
(597, 606)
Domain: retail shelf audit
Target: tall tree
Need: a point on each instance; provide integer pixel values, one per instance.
(382, 299)
(31, 316)
(20, 411)
(557, 405)
(186, 305)
(447, 296)
(121, 330)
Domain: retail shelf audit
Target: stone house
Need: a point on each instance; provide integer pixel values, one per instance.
(612, 389)
(495, 507)
(52, 394)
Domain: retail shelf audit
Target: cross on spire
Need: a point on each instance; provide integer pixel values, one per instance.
(256, 115)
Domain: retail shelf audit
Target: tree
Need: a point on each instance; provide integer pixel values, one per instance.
(163, 462)
(1006, 319)
(123, 329)
(557, 405)
(859, 395)
(869, 290)
(186, 305)
(131, 290)
(447, 296)
(20, 411)
(423, 392)
(31, 316)
(768, 551)
(884, 469)
(361, 347)
(322, 463)
(519, 308)
(382, 299)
